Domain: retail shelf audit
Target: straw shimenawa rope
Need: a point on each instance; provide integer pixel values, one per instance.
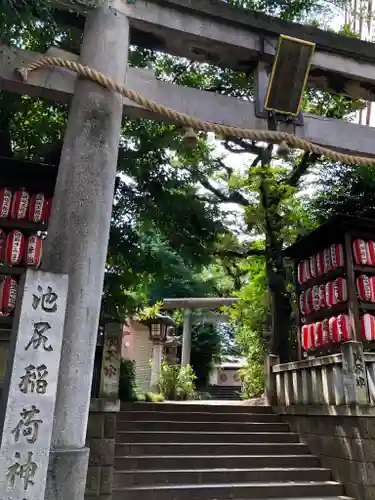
(283, 138)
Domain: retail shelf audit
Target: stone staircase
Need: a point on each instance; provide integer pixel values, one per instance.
(225, 392)
(170, 451)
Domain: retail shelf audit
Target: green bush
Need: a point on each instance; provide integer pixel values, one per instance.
(127, 380)
(151, 397)
(252, 377)
(176, 383)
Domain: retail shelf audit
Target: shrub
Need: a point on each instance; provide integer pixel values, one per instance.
(252, 377)
(127, 380)
(176, 383)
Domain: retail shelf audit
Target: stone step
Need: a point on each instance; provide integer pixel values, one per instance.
(232, 490)
(170, 425)
(205, 437)
(197, 416)
(191, 407)
(214, 449)
(146, 462)
(213, 476)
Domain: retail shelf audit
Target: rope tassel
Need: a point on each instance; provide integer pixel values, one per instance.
(284, 139)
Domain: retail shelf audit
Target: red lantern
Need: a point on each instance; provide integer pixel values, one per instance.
(33, 251)
(20, 203)
(330, 294)
(320, 263)
(5, 202)
(315, 298)
(364, 288)
(14, 247)
(340, 329)
(337, 255)
(48, 210)
(308, 341)
(341, 290)
(37, 208)
(368, 327)
(3, 237)
(305, 302)
(325, 328)
(318, 334)
(8, 295)
(322, 296)
(344, 327)
(360, 252)
(327, 266)
(313, 265)
(371, 253)
(301, 273)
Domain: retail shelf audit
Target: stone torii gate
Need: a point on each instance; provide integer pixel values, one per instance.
(78, 233)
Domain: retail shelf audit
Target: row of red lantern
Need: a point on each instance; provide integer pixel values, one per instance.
(321, 263)
(19, 205)
(323, 296)
(335, 330)
(366, 288)
(14, 248)
(326, 332)
(364, 252)
(8, 295)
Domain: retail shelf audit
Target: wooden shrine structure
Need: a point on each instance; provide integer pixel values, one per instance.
(206, 31)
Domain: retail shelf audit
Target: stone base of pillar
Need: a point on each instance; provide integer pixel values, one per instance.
(67, 470)
(101, 433)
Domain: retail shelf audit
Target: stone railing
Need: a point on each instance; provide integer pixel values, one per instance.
(347, 378)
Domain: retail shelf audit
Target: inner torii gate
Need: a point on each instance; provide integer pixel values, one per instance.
(78, 233)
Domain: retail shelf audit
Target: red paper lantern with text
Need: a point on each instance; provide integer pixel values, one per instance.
(320, 263)
(337, 255)
(371, 253)
(305, 302)
(368, 327)
(37, 208)
(308, 340)
(318, 334)
(330, 294)
(372, 286)
(33, 251)
(14, 247)
(8, 295)
(5, 202)
(20, 205)
(341, 290)
(364, 288)
(315, 298)
(313, 264)
(360, 252)
(322, 296)
(301, 273)
(3, 238)
(325, 327)
(334, 330)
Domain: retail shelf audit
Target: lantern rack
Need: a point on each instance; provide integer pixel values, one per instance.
(342, 231)
(34, 178)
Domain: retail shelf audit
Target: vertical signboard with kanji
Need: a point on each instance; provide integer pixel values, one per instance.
(30, 387)
(110, 370)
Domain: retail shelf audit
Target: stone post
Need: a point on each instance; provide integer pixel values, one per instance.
(186, 337)
(110, 369)
(157, 359)
(28, 402)
(78, 238)
(354, 374)
(270, 379)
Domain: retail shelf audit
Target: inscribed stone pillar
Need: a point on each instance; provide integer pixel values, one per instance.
(157, 359)
(78, 238)
(186, 337)
(354, 374)
(110, 370)
(28, 402)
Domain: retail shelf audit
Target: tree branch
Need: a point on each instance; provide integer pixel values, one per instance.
(301, 168)
(247, 147)
(234, 197)
(251, 252)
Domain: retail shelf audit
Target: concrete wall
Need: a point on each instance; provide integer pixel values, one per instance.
(345, 444)
(225, 377)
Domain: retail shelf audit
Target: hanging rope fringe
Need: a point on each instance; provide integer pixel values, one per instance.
(285, 139)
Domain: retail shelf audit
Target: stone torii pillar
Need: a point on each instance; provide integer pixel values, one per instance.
(78, 238)
(188, 304)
